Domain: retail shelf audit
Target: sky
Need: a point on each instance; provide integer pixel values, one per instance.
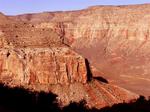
(15, 7)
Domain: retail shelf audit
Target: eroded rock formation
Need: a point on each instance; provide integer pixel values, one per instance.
(37, 52)
(114, 38)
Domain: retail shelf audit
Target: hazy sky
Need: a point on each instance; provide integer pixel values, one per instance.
(13, 7)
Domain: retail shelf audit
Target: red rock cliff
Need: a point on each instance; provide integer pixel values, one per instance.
(35, 54)
(114, 38)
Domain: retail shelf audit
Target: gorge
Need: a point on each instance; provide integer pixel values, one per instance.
(67, 52)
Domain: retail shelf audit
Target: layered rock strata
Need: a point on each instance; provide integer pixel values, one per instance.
(35, 54)
(115, 39)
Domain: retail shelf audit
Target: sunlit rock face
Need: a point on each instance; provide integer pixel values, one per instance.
(115, 39)
(33, 55)
(42, 51)
(42, 66)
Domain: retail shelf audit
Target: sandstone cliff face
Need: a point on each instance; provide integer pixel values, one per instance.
(42, 66)
(35, 54)
(29, 57)
(114, 38)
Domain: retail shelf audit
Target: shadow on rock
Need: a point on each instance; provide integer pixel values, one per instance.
(89, 72)
(21, 100)
(101, 79)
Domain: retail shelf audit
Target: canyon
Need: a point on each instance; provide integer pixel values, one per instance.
(99, 54)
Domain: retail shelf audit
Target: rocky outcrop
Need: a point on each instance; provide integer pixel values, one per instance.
(61, 71)
(114, 38)
(37, 54)
(31, 55)
(41, 66)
